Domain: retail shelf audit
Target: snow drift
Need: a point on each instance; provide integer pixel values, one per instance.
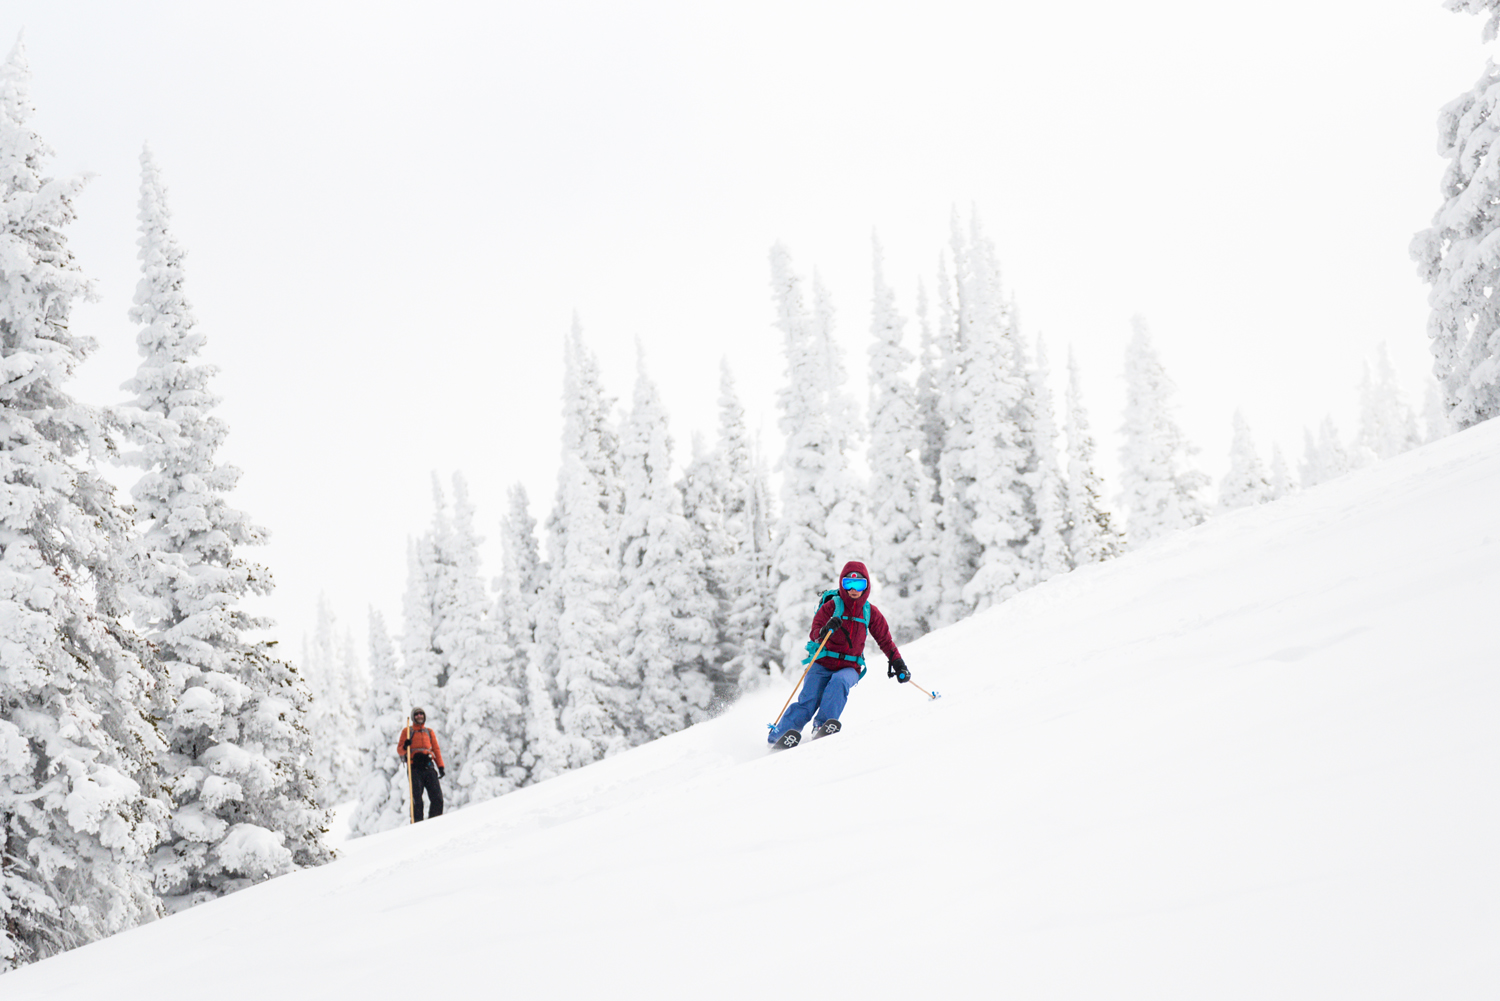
(1256, 759)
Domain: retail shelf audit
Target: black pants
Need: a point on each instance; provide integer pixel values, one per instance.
(424, 776)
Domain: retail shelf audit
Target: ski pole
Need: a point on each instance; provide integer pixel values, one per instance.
(809, 662)
(411, 794)
(930, 695)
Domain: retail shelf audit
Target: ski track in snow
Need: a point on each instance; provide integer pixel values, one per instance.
(1254, 760)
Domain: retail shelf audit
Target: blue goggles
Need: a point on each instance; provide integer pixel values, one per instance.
(855, 584)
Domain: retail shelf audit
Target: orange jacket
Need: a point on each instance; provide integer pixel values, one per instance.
(421, 740)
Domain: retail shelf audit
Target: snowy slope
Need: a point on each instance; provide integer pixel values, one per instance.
(1255, 760)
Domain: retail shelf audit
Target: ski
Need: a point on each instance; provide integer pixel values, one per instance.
(831, 727)
(789, 739)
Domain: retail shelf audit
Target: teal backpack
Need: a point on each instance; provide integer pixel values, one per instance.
(838, 613)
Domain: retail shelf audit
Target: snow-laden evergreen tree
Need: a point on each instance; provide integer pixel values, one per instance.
(485, 723)
(1160, 491)
(522, 588)
(1282, 483)
(1387, 425)
(1455, 256)
(932, 358)
(903, 550)
(740, 563)
(704, 495)
(382, 797)
(1490, 7)
(1047, 548)
(843, 492)
(334, 711)
(1092, 535)
(1325, 456)
(238, 739)
(958, 549)
(804, 560)
(1246, 484)
(79, 800)
(579, 629)
(419, 616)
(667, 632)
(752, 610)
(986, 454)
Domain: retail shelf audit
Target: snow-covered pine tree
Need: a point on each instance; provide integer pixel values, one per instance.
(1281, 476)
(334, 711)
(1325, 456)
(932, 358)
(579, 628)
(667, 632)
(803, 558)
(1160, 491)
(1246, 484)
(1092, 535)
(237, 734)
(522, 587)
(903, 550)
(1455, 255)
(382, 797)
(848, 527)
(485, 722)
(704, 494)
(1387, 426)
(753, 598)
(1490, 7)
(987, 442)
(958, 549)
(419, 615)
(743, 571)
(1047, 549)
(79, 799)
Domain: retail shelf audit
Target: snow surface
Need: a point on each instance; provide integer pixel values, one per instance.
(1256, 759)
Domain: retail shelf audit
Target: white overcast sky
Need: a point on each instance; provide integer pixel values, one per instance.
(393, 210)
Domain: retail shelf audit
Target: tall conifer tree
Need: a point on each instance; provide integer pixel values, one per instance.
(1387, 425)
(804, 559)
(485, 721)
(585, 584)
(667, 631)
(382, 793)
(522, 587)
(79, 803)
(1092, 534)
(1246, 484)
(744, 571)
(1161, 492)
(1047, 548)
(237, 735)
(903, 551)
(1455, 256)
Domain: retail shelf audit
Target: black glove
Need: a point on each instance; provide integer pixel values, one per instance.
(897, 669)
(442, 772)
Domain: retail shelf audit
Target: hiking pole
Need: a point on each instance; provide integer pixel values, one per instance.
(809, 662)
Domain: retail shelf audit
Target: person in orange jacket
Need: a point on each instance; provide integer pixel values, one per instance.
(421, 744)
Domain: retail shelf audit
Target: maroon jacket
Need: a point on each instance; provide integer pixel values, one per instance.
(849, 635)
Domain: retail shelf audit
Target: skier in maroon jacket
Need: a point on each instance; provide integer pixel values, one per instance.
(844, 621)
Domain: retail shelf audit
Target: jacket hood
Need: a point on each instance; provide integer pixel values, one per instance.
(854, 599)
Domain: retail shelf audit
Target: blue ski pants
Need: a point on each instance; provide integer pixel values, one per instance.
(823, 690)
